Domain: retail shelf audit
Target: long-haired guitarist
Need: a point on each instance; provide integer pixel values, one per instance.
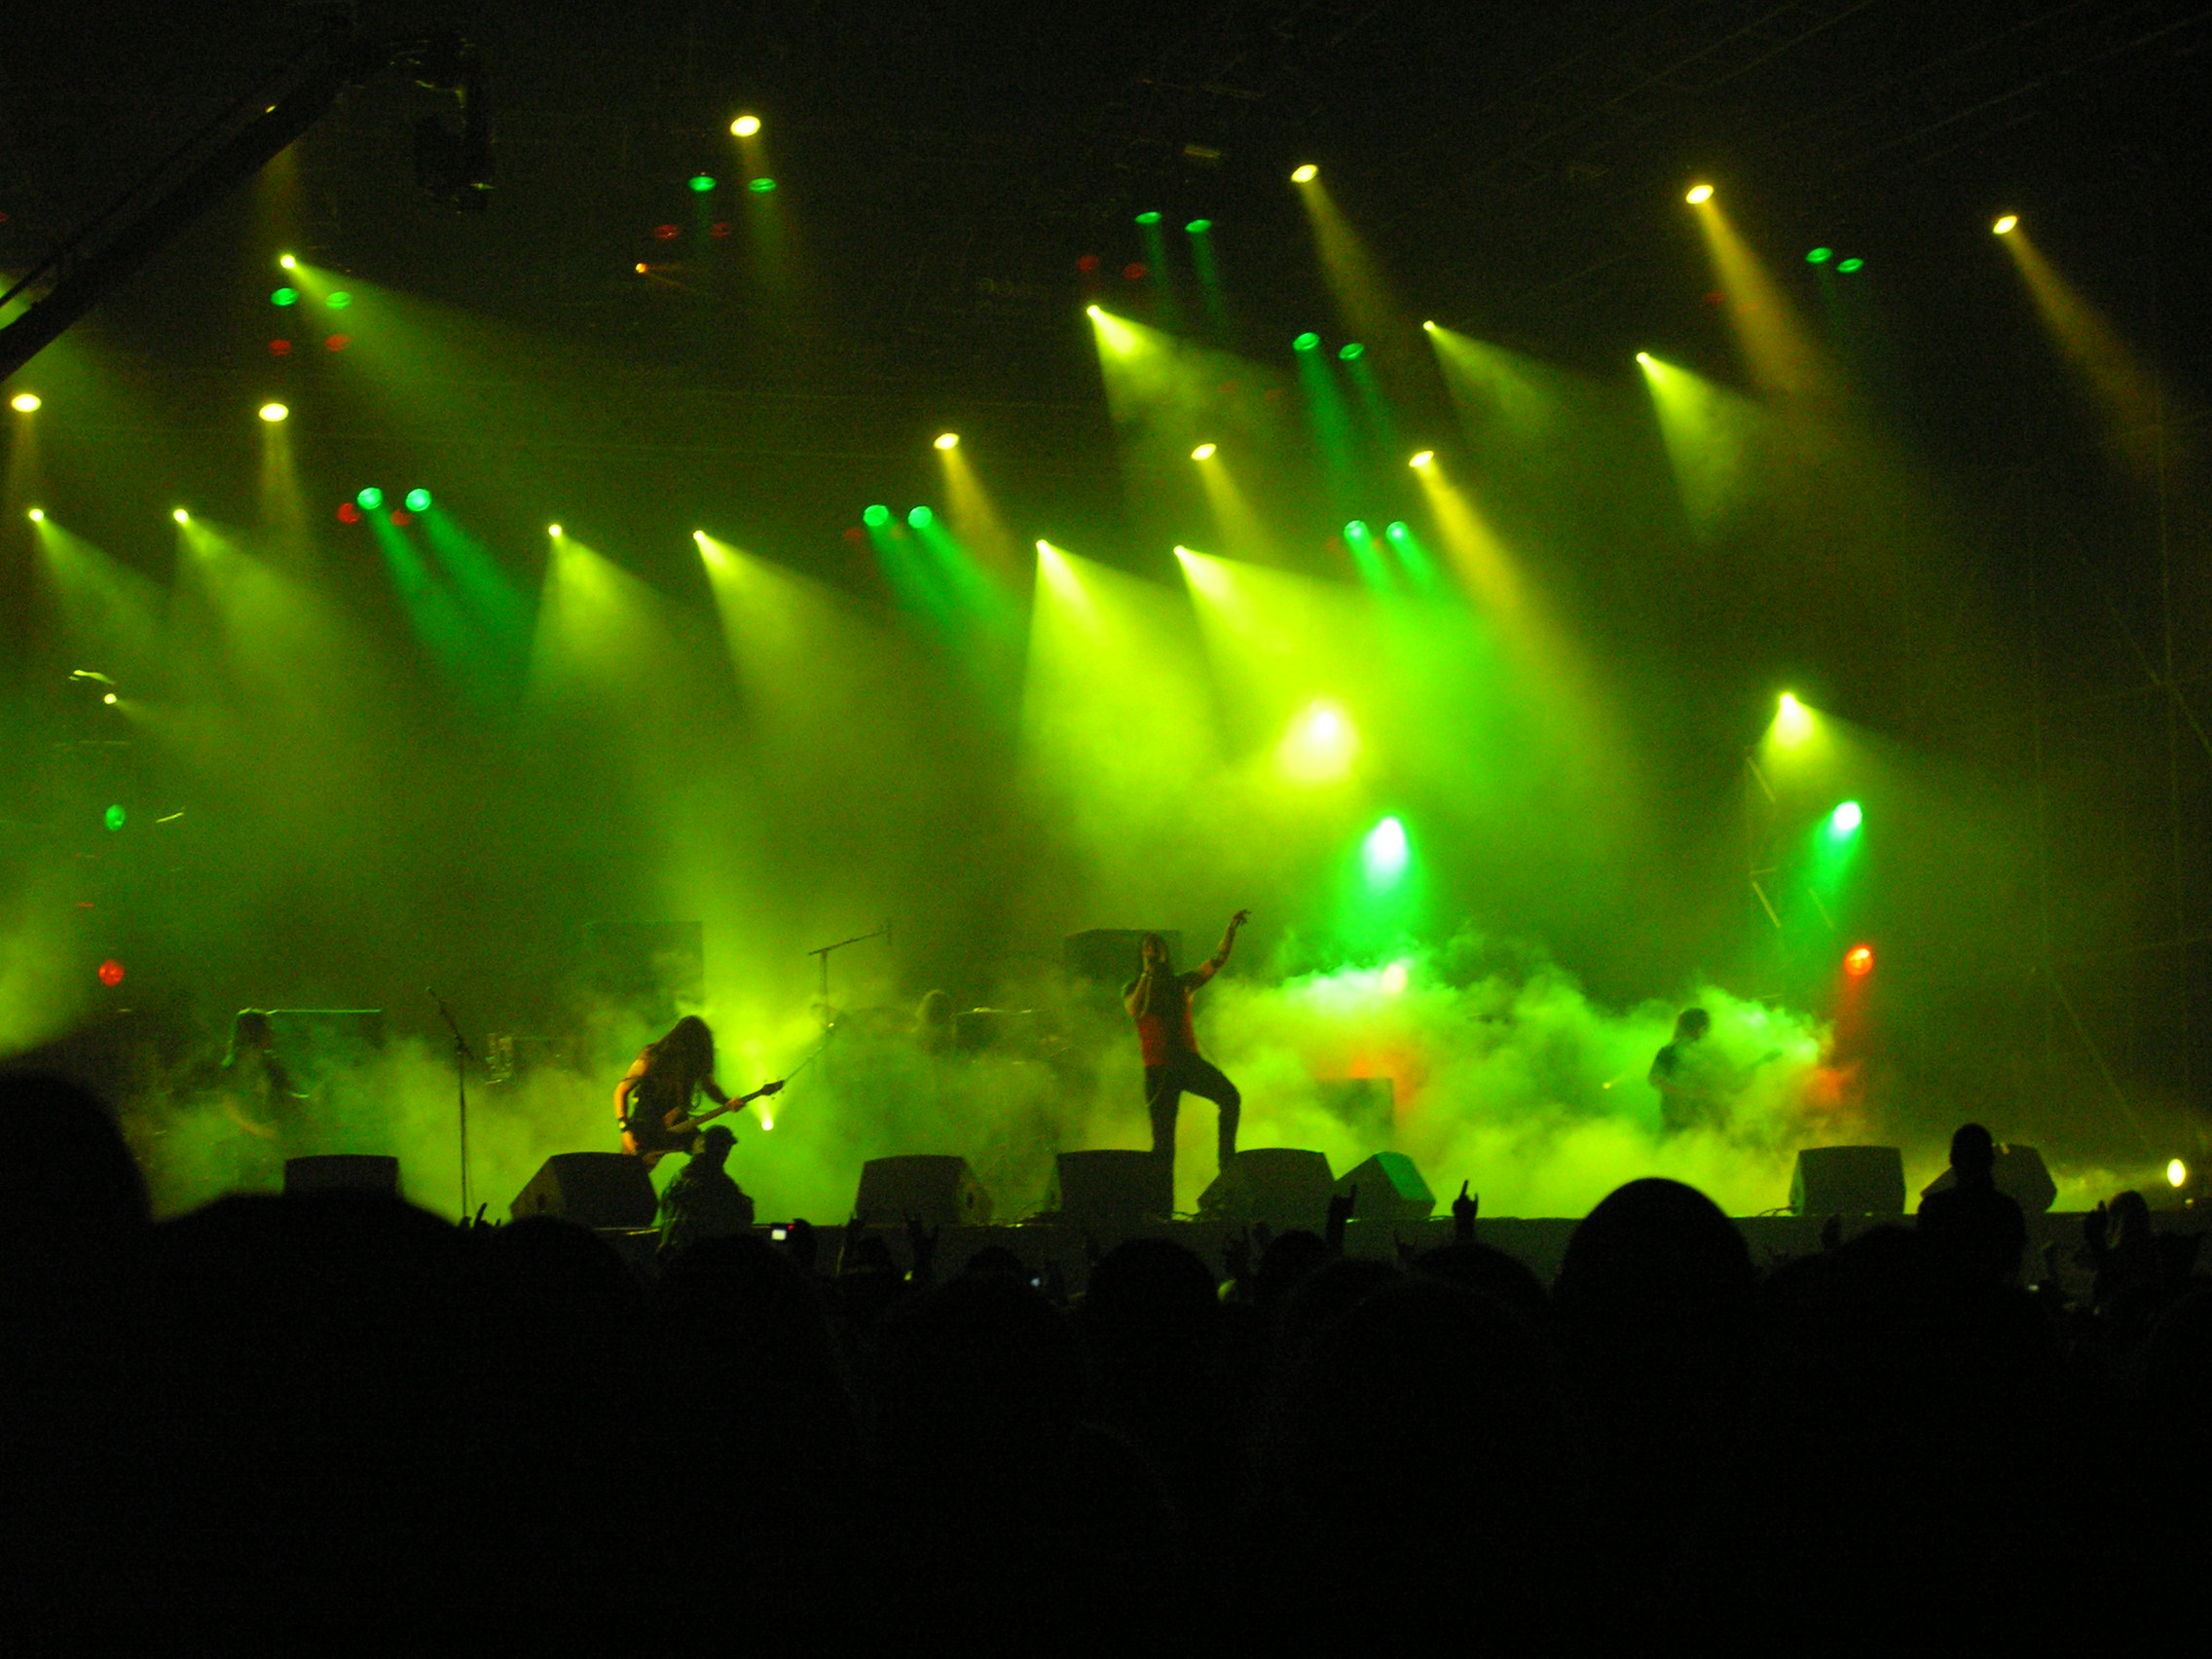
(655, 1103)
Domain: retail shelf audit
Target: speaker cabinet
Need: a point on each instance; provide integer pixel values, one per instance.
(592, 1188)
(1390, 1189)
(1282, 1186)
(1848, 1180)
(1112, 1190)
(2020, 1176)
(936, 1189)
(355, 1174)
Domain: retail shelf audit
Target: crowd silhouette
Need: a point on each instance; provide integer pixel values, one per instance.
(333, 1424)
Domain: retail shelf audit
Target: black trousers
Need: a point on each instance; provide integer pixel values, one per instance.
(1165, 1087)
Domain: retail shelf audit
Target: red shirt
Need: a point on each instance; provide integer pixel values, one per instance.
(1161, 1032)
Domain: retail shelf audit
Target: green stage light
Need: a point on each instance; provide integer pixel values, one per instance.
(921, 518)
(1385, 852)
(339, 300)
(1306, 341)
(761, 186)
(1845, 819)
(1851, 265)
(745, 126)
(702, 182)
(285, 297)
(1148, 218)
(876, 517)
(114, 817)
(1350, 350)
(1356, 531)
(370, 500)
(1198, 227)
(418, 500)
(1820, 256)
(1396, 529)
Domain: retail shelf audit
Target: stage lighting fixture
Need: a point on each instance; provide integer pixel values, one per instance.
(288, 262)
(1699, 193)
(336, 342)
(1198, 227)
(2177, 1173)
(1793, 721)
(1383, 852)
(114, 817)
(876, 516)
(1859, 961)
(948, 440)
(761, 186)
(2006, 224)
(702, 182)
(1820, 256)
(1306, 174)
(1645, 358)
(280, 347)
(180, 515)
(418, 500)
(1356, 531)
(339, 300)
(38, 515)
(1350, 349)
(1205, 452)
(1845, 819)
(1849, 265)
(745, 127)
(111, 699)
(274, 412)
(1430, 327)
(921, 518)
(1092, 311)
(1394, 980)
(348, 513)
(285, 297)
(1306, 342)
(24, 402)
(111, 972)
(1427, 459)
(554, 531)
(1149, 217)
(370, 498)
(1396, 529)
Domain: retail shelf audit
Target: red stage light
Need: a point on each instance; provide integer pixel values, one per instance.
(337, 342)
(1134, 271)
(720, 228)
(1859, 961)
(400, 515)
(665, 232)
(348, 513)
(1088, 262)
(280, 347)
(111, 972)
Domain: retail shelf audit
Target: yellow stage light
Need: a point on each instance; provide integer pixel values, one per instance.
(2006, 226)
(553, 530)
(274, 412)
(1426, 458)
(181, 516)
(1643, 357)
(745, 126)
(1093, 311)
(1793, 721)
(2177, 1173)
(23, 402)
(1205, 452)
(288, 262)
(1699, 193)
(947, 440)
(1306, 174)
(38, 515)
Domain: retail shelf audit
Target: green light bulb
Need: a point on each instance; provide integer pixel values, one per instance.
(1198, 227)
(113, 817)
(1850, 264)
(285, 297)
(1820, 256)
(370, 500)
(761, 186)
(1148, 218)
(418, 500)
(1350, 350)
(876, 517)
(1396, 529)
(339, 300)
(921, 518)
(1356, 531)
(1306, 343)
(702, 183)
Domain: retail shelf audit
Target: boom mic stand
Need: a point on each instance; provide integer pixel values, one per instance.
(462, 1055)
(826, 950)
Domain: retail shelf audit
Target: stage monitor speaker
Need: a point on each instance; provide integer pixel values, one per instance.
(592, 1188)
(2021, 1174)
(1110, 956)
(1848, 1180)
(356, 1174)
(1102, 1190)
(1282, 1186)
(1390, 1189)
(936, 1189)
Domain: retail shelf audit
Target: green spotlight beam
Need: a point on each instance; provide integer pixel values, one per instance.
(1205, 263)
(1331, 422)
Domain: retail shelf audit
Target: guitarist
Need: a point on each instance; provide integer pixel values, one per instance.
(654, 1102)
(1696, 1084)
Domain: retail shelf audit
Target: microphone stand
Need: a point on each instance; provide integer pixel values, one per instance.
(825, 951)
(462, 1055)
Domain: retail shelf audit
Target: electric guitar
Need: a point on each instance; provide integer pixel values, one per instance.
(644, 1136)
